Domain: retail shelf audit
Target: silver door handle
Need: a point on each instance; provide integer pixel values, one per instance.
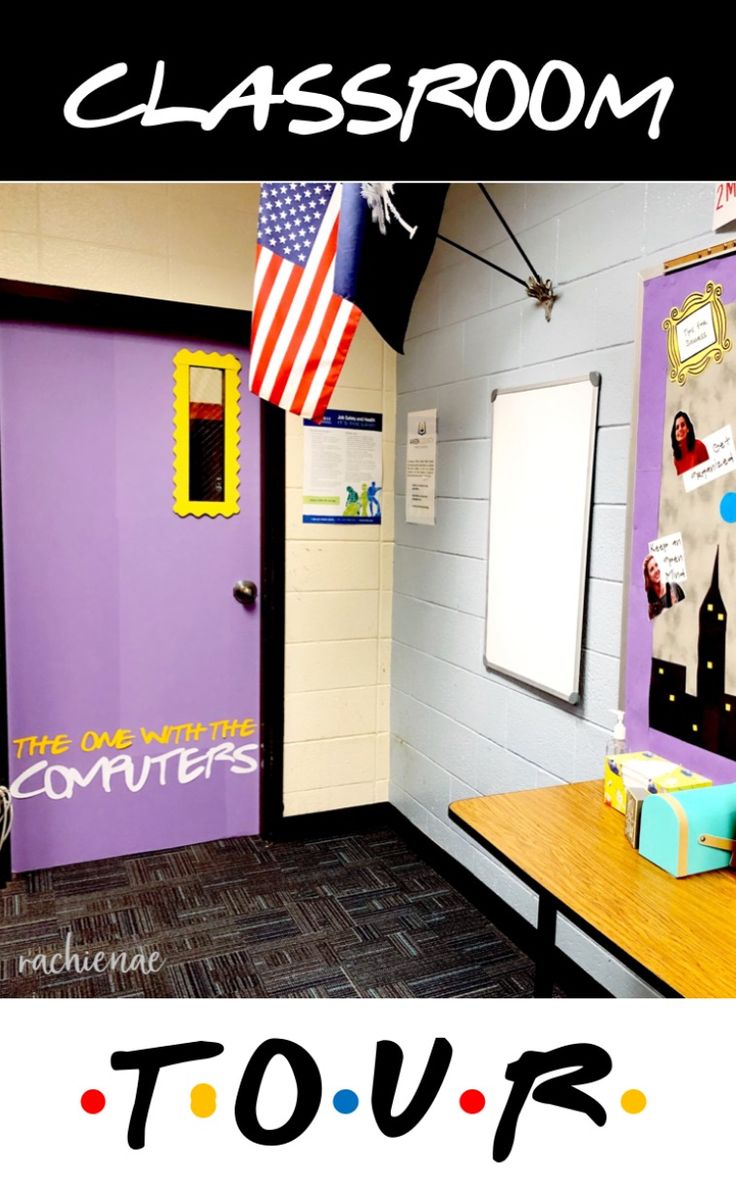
(245, 591)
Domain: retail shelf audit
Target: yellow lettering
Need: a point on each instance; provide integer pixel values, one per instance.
(39, 746)
(20, 743)
(194, 732)
(161, 736)
(120, 740)
(61, 743)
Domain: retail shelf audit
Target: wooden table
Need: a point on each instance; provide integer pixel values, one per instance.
(565, 843)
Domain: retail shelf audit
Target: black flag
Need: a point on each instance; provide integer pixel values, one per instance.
(386, 237)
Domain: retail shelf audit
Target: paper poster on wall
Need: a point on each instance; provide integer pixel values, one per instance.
(343, 476)
(724, 207)
(421, 466)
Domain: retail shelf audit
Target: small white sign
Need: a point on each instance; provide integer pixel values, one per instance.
(421, 466)
(696, 332)
(724, 208)
(669, 553)
(721, 460)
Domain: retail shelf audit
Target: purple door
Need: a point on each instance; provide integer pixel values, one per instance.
(133, 674)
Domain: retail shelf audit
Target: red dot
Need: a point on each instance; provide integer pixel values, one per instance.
(93, 1101)
(472, 1101)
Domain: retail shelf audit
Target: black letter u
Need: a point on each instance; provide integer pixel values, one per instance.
(389, 1059)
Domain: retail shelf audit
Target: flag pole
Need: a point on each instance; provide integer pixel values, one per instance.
(485, 260)
(508, 229)
(534, 286)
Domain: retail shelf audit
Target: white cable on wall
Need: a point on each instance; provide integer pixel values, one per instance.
(6, 815)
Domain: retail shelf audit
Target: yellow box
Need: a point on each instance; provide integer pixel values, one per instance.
(642, 769)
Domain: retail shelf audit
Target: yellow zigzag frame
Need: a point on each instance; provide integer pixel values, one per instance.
(230, 503)
(680, 370)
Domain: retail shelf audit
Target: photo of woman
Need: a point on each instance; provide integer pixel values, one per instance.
(659, 595)
(686, 449)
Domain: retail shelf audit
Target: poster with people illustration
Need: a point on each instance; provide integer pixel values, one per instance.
(343, 474)
(680, 690)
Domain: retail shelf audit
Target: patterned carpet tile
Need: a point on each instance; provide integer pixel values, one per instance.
(455, 981)
(338, 916)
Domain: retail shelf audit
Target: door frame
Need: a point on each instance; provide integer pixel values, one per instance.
(37, 303)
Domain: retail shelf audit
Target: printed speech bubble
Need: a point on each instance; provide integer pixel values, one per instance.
(721, 460)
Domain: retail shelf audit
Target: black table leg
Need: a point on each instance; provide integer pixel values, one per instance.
(545, 952)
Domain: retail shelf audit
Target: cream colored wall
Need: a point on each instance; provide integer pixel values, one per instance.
(338, 618)
(189, 243)
(195, 243)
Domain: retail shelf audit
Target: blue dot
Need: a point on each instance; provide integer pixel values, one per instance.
(345, 1101)
(728, 507)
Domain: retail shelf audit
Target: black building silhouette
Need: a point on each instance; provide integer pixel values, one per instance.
(709, 718)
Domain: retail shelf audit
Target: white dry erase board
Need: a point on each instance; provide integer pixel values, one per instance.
(542, 450)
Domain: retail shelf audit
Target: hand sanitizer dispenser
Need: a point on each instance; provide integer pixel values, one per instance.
(616, 744)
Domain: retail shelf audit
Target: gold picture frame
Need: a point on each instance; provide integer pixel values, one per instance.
(710, 329)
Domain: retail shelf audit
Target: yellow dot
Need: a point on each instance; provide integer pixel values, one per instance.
(633, 1101)
(203, 1100)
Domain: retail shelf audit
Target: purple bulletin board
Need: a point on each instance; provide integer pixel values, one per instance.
(680, 678)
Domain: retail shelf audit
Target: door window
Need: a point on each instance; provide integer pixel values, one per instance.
(206, 434)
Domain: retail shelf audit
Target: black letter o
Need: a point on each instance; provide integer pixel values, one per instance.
(308, 1092)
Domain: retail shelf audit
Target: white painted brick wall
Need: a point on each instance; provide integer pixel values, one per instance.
(608, 542)
(457, 729)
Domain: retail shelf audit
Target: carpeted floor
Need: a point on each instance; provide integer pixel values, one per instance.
(333, 916)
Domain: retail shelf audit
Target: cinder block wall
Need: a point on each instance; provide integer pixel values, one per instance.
(196, 244)
(458, 730)
(338, 617)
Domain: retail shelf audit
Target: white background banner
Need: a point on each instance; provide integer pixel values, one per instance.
(678, 1054)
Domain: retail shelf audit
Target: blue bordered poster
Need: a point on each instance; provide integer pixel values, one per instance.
(343, 478)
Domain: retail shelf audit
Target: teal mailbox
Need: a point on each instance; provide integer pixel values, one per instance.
(691, 832)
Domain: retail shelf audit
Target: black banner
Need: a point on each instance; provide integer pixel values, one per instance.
(242, 103)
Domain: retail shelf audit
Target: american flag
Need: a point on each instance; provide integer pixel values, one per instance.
(301, 329)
